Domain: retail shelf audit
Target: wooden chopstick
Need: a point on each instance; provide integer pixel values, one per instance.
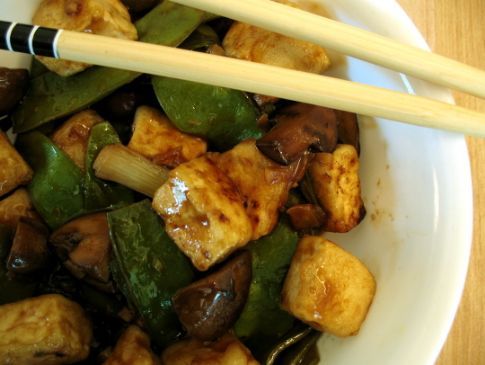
(248, 76)
(349, 40)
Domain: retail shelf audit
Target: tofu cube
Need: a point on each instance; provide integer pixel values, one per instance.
(14, 171)
(159, 141)
(335, 180)
(203, 212)
(104, 17)
(133, 348)
(73, 136)
(255, 44)
(47, 330)
(327, 287)
(15, 206)
(263, 184)
(227, 350)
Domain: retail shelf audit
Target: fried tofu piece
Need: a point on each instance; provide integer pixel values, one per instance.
(133, 348)
(14, 171)
(15, 206)
(335, 180)
(73, 136)
(228, 350)
(104, 17)
(155, 138)
(327, 287)
(46, 330)
(203, 212)
(263, 184)
(251, 43)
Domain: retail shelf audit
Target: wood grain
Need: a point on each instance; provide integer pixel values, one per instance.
(454, 28)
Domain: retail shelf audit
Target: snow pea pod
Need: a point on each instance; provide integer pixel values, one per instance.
(56, 188)
(101, 194)
(223, 116)
(262, 320)
(148, 268)
(51, 96)
(60, 191)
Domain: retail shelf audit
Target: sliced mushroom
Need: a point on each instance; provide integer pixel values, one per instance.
(29, 250)
(306, 216)
(348, 129)
(13, 83)
(84, 247)
(208, 308)
(300, 127)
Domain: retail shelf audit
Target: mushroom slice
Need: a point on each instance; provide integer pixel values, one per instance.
(13, 84)
(29, 250)
(348, 129)
(306, 216)
(300, 127)
(84, 247)
(209, 307)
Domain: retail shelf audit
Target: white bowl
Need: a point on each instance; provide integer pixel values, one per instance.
(417, 188)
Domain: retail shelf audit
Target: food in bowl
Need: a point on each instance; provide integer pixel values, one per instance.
(226, 261)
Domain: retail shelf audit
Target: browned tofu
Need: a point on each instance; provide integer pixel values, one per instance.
(15, 206)
(327, 287)
(203, 212)
(46, 330)
(263, 184)
(133, 348)
(14, 171)
(104, 17)
(255, 44)
(228, 350)
(335, 180)
(158, 140)
(73, 136)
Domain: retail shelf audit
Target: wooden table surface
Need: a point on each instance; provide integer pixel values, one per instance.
(455, 28)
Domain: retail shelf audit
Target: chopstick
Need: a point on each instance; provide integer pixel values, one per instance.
(349, 40)
(242, 75)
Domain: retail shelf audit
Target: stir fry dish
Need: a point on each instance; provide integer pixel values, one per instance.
(149, 220)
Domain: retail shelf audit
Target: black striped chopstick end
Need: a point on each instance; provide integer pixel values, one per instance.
(34, 40)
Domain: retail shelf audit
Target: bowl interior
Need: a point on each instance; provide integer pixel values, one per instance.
(417, 190)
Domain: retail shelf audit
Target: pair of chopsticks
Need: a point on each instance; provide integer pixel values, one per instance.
(275, 81)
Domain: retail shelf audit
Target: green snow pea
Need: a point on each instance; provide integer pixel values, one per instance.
(148, 268)
(223, 116)
(262, 321)
(101, 194)
(52, 97)
(60, 191)
(56, 188)
(296, 347)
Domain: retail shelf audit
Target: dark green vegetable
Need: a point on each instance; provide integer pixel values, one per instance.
(101, 194)
(303, 353)
(148, 268)
(294, 336)
(11, 288)
(51, 96)
(59, 190)
(56, 188)
(262, 320)
(223, 116)
(37, 68)
(203, 37)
